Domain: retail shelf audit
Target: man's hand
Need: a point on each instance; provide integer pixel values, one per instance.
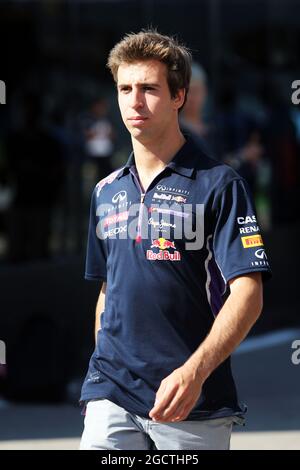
(177, 395)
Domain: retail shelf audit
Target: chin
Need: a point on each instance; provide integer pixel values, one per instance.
(139, 134)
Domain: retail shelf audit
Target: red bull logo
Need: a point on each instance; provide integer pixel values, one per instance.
(162, 244)
(163, 255)
(179, 199)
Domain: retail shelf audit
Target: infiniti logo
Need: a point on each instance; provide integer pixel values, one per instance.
(160, 187)
(120, 196)
(261, 254)
(171, 189)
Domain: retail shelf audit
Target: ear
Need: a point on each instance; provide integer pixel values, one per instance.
(179, 98)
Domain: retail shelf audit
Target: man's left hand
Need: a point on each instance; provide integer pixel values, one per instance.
(177, 395)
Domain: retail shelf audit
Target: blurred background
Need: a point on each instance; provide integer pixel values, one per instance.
(60, 132)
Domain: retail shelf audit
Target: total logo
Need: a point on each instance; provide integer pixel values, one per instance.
(163, 245)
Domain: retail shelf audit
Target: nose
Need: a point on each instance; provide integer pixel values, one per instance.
(136, 99)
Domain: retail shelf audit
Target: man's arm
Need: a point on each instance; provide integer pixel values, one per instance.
(99, 309)
(179, 392)
(232, 324)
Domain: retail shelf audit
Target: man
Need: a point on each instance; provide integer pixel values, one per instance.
(160, 375)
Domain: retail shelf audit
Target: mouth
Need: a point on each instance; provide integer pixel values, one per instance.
(136, 120)
(137, 117)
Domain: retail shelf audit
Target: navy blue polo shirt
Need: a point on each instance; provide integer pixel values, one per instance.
(167, 255)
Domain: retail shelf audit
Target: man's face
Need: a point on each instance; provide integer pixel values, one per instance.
(146, 106)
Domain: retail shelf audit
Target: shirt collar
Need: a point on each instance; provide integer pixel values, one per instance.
(184, 161)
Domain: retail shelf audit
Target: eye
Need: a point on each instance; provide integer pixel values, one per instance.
(125, 89)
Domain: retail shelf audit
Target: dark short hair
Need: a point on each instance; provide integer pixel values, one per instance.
(149, 44)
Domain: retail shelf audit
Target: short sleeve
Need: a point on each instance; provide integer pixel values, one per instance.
(238, 245)
(95, 267)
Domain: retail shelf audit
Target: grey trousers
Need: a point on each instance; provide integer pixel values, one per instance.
(107, 426)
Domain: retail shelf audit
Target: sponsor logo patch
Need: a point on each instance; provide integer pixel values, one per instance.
(170, 189)
(114, 219)
(161, 224)
(169, 211)
(163, 245)
(261, 254)
(252, 241)
(179, 199)
(163, 255)
(115, 231)
(260, 264)
(119, 197)
(169, 197)
(251, 229)
(250, 219)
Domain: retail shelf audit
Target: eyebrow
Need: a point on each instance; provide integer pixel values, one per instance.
(141, 84)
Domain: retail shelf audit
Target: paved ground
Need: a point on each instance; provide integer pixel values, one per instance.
(268, 382)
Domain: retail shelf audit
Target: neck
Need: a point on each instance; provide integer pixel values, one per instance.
(154, 156)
